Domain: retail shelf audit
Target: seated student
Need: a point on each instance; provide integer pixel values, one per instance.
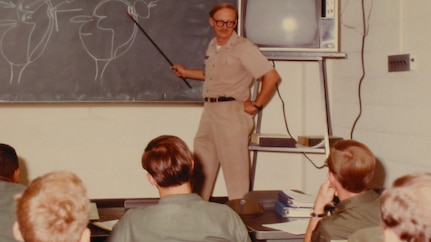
(9, 187)
(180, 214)
(54, 207)
(405, 209)
(351, 167)
(405, 212)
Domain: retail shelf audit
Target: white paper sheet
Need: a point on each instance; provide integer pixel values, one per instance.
(94, 213)
(108, 225)
(296, 227)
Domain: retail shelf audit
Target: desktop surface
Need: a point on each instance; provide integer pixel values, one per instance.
(110, 209)
(258, 232)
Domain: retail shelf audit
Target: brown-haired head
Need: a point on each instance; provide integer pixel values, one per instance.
(168, 160)
(352, 164)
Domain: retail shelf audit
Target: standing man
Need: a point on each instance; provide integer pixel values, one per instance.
(9, 187)
(231, 64)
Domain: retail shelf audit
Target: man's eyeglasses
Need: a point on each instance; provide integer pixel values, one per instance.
(221, 23)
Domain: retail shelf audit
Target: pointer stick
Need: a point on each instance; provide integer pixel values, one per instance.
(157, 47)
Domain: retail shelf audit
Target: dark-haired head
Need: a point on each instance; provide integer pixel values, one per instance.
(8, 162)
(168, 160)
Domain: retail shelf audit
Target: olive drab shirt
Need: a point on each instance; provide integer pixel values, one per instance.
(350, 215)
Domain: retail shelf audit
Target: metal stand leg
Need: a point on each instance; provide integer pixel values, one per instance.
(258, 123)
(322, 64)
(325, 97)
(253, 170)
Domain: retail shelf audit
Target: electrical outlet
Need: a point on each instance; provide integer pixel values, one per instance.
(330, 9)
(399, 62)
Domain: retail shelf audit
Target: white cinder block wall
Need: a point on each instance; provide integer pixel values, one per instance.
(396, 111)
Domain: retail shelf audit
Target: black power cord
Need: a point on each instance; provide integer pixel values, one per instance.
(288, 130)
(365, 30)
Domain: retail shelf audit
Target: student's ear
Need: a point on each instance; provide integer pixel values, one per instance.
(16, 232)
(211, 21)
(16, 174)
(151, 180)
(193, 165)
(85, 236)
(331, 178)
(334, 182)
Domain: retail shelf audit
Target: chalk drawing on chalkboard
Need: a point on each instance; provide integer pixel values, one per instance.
(47, 53)
(37, 32)
(102, 28)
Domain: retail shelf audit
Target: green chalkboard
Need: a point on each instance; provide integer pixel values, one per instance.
(92, 51)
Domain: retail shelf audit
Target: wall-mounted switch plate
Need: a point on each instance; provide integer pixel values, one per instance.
(402, 62)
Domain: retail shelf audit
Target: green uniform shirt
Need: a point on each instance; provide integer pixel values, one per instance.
(350, 215)
(370, 234)
(183, 217)
(8, 190)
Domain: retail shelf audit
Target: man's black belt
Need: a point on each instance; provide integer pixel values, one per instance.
(218, 99)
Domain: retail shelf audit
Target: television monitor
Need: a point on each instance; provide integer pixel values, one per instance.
(290, 25)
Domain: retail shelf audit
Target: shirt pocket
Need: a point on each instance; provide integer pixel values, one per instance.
(231, 68)
(230, 61)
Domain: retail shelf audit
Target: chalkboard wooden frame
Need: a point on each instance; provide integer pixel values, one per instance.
(91, 51)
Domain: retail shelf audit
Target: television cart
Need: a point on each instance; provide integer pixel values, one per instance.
(320, 58)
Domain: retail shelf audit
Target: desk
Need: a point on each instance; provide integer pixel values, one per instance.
(260, 233)
(110, 209)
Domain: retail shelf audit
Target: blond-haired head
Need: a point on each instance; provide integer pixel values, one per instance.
(54, 207)
(405, 208)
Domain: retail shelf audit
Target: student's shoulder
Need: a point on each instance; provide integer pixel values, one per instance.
(138, 212)
(373, 233)
(218, 207)
(11, 187)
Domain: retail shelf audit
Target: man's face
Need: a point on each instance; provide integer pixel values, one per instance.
(226, 17)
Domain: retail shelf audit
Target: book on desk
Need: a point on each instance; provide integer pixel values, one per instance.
(295, 198)
(285, 211)
(292, 203)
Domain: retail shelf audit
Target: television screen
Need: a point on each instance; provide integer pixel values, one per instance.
(290, 25)
(282, 23)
